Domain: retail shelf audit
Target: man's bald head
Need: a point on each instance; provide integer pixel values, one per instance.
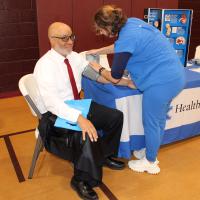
(56, 32)
(59, 29)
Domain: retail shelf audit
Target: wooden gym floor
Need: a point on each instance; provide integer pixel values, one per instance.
(179, 178)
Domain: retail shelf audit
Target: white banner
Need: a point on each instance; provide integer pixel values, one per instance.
(185, 109)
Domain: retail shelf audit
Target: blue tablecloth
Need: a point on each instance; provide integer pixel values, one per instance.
(192, 78)
(107, 94)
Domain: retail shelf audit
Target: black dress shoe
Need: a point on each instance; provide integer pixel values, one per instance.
(84, 190)
(114, 164)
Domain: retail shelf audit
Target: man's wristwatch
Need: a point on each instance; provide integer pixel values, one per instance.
(100, 70)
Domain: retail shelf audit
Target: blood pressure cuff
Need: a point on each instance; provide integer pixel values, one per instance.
(90, 73)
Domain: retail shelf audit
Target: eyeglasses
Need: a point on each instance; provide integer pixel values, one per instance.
(102, 31)
(98, 31)
(65, 38)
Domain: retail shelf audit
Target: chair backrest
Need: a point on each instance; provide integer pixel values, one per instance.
(197, 53)
(29, 89)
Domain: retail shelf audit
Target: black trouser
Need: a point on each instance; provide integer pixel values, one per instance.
(87, 156)
(110, 121)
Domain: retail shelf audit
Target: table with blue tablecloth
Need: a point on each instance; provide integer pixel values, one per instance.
(183, 120)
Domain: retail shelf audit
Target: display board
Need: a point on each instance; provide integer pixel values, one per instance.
(175, 24)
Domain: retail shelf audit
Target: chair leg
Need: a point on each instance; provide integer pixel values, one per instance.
(38, 148)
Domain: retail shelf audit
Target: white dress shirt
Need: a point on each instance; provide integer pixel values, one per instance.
(54, 84)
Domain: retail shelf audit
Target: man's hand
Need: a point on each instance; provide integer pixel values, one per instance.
(87, 128)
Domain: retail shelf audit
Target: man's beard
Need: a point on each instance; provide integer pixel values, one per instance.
(64, 52)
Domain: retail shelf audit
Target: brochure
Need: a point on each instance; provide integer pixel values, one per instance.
(83, 105)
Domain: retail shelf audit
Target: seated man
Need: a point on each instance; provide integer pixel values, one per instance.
(54, 74)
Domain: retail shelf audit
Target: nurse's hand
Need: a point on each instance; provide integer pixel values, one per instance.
(95, 66)
(131, 84)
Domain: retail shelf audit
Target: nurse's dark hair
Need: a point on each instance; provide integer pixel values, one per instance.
(110, 16)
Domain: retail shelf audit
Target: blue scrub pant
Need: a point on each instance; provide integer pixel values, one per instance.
(155, 105)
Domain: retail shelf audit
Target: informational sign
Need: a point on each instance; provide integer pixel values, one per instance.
(175, 24)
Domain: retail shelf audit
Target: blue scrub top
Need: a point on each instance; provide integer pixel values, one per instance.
(153, 60)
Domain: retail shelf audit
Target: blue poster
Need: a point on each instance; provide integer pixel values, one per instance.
(175, 24)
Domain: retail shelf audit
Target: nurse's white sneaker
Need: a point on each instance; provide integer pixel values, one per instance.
(143, 165)
(139, 154)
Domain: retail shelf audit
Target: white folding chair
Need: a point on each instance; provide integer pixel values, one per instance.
(29, 89)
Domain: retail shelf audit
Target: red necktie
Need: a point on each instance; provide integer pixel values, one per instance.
(72, 80)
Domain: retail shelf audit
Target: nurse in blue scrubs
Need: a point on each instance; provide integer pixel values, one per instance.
(154, 68)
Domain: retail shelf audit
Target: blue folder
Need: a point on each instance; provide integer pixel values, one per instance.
(83, 105)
